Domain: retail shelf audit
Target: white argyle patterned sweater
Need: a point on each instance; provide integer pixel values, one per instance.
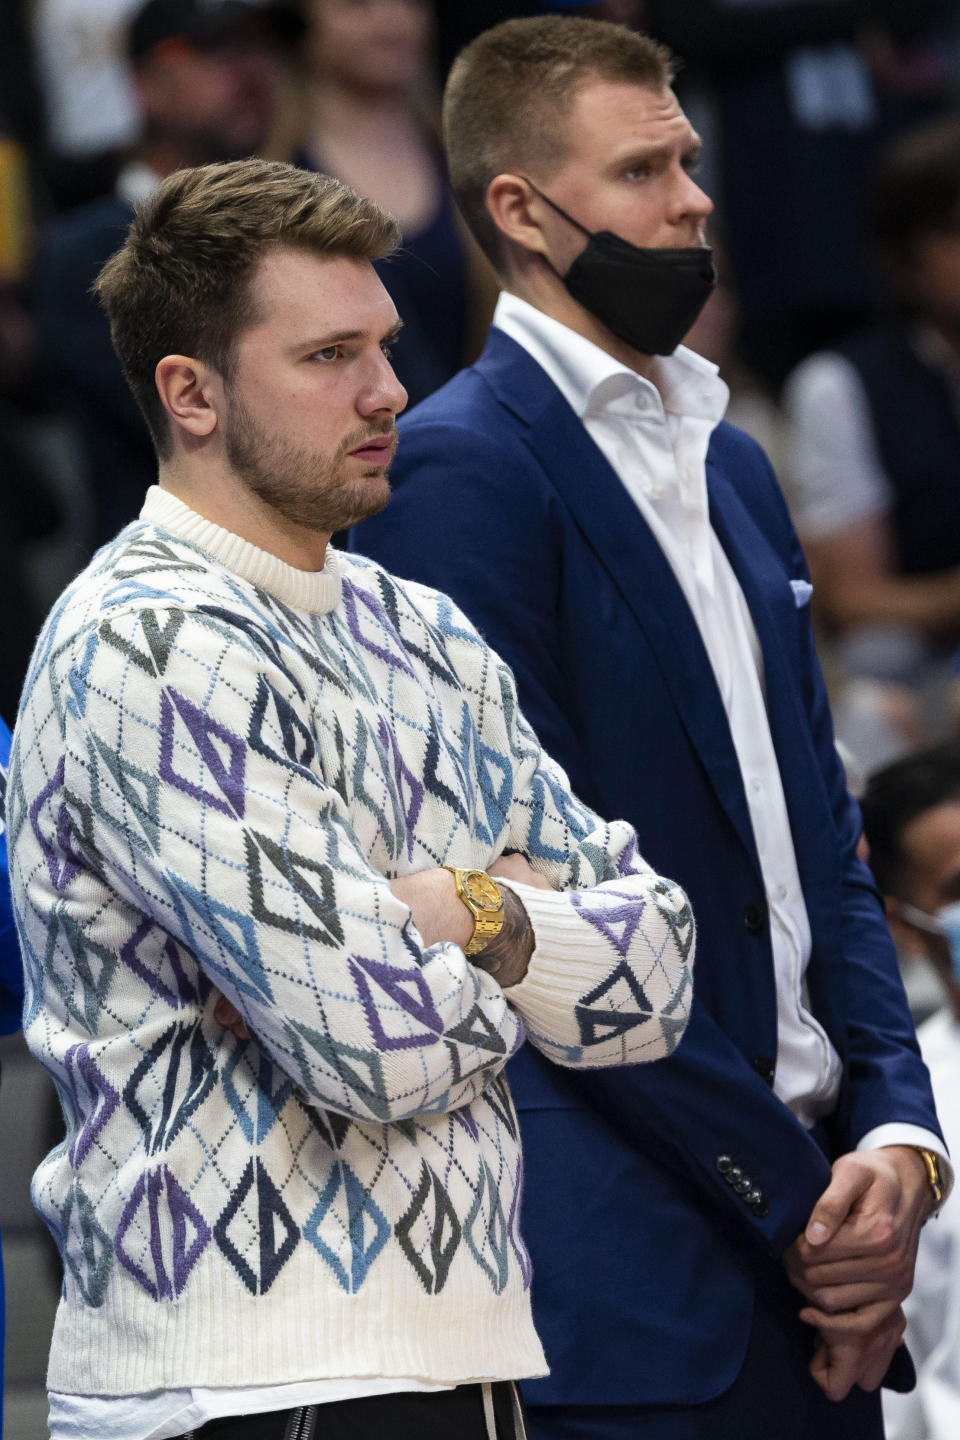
(219, 764)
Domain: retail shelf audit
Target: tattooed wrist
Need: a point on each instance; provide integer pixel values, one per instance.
(508, 954)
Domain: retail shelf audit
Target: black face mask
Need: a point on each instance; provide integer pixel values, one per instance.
(647, 298)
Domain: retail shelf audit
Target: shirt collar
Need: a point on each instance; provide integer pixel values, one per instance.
(591, 381)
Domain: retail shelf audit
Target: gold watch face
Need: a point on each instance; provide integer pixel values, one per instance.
(482, 890)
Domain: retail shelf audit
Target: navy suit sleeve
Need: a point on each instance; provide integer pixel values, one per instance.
(474, 516)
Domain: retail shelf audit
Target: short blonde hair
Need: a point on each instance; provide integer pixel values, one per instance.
(509, 93)
(180, 282)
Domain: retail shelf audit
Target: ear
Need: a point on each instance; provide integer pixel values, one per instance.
(517, 212)
(188, 391)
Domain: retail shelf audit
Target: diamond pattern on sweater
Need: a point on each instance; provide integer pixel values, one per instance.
(408, 999)
(265, 1092)
(256, 1231)
(221, 753)
(87, 1250)
(161, 1235)
(429, 1232)
(211, 789)
(347, 1228)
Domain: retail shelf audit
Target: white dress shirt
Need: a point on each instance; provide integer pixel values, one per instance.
(655, 435)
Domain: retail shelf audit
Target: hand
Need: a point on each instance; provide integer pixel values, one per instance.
(230, 1018)
(437, 911)
(840, 1364)
(855, 1261)
(517, 867)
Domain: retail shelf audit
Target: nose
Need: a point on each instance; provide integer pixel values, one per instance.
(382, 391)
(690, 202)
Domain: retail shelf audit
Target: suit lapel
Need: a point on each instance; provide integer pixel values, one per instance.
(772, 607)
(626, 547)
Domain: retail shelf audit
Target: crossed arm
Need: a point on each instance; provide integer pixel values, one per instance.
(440, 916)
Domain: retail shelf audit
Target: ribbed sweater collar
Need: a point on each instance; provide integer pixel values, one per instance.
(315, 591)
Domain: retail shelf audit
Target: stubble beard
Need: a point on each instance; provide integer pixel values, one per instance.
(310, 489)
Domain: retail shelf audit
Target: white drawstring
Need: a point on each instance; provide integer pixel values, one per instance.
(518, 1425)
(487, 1391)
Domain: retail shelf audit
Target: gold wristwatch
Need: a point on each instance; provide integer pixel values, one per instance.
(482, 897)
(936, 1179)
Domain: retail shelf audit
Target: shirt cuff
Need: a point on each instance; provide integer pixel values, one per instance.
(898, 1133)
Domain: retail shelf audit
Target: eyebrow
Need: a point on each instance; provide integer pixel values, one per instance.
(688, 151)
(339, 337)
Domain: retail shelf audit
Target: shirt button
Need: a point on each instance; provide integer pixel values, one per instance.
(781, 892)
(756, 784)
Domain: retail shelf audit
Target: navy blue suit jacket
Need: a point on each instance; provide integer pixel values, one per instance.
(645, 1257)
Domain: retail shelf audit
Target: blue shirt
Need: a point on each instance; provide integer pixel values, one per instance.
(11, 969)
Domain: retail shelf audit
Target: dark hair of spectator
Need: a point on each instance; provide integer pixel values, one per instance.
(509, 94)
(895, 796)
(915, 191)
(180, 283)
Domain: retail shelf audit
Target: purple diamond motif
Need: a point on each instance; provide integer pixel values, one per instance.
(61, 870)
(392, 656)
(408, 990)
(605, 918)
(228, 779)
(153, 1190)
(79, 1064)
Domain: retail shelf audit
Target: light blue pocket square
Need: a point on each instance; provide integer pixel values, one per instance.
(802, 590)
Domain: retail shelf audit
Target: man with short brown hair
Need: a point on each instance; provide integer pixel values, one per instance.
(631, 555)
(244, 761)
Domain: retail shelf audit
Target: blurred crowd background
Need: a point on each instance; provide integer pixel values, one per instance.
(832, 151)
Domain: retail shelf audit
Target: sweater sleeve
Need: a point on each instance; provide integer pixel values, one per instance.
(188, 740)
(610, 980)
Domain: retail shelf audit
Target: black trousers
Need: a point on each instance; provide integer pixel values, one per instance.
(411, 1415)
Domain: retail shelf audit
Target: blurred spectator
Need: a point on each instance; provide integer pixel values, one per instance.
(911, 813)
(205, 73)
(92, 115)
(366, 120)
(876, 438)
(804, 91)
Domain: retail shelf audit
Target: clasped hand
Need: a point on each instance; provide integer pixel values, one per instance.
(854, 1264)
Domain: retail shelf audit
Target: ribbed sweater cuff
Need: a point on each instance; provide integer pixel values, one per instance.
(564, 964)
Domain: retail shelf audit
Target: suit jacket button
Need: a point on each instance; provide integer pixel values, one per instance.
(754, 917)
(753, 1197)
(743, 1186)
(765, 1068)
(734, 1175)
(761, 1209)
(723, 1163)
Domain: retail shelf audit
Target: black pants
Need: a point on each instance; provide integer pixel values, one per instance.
(411, 1415)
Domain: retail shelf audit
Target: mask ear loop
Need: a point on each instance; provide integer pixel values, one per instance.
(554, 206)
(921, 918)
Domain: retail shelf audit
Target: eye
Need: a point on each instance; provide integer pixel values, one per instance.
(641, 170)
(328, 354)
(387, 347)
